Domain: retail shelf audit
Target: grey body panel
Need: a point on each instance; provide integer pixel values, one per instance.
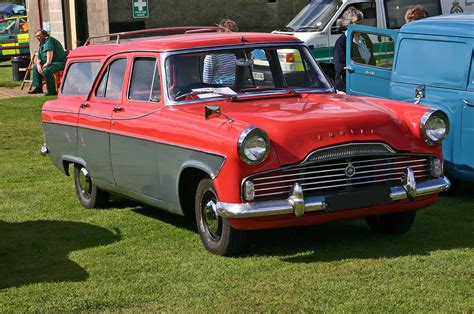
(135, 165)
(94, 148)
(144, 170)
(173, 160)
(61, 141)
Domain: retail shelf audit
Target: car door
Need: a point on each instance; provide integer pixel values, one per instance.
(95, 119)
(465, 151)
(133, 145)
(368, 71)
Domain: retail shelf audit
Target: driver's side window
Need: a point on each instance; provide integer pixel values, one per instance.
(370, 16)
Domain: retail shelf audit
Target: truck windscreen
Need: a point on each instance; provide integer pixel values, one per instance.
(314, 16)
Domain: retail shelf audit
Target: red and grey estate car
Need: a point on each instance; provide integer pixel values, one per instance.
(241, 131)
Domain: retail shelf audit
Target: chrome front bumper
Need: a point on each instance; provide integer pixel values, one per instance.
(299, 205)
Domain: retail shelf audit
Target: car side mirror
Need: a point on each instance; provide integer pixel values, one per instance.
(212, 111)
(338, 26)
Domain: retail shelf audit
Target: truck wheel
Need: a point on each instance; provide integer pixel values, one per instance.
(89, 195)
(396, 223)
(216, 233)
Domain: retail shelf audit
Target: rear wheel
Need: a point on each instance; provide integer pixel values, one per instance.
(89, 195)
(216, 233)
(396, 223)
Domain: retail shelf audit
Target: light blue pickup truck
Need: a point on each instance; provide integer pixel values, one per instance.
(432, 65)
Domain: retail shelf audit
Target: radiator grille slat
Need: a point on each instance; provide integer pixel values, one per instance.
(331, 176)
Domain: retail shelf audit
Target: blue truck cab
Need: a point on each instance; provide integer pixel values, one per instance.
(432, 64)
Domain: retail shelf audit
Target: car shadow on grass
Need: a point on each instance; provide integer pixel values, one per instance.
(37, 251)
(443, 226)
(179, 221)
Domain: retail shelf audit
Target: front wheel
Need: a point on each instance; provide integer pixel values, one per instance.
(89, 195)
(216, 233)
(396, 223)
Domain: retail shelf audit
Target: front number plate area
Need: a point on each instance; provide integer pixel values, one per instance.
(358, 199)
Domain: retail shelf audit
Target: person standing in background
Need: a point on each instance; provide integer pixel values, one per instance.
(51, 59)
(416, 12)
(363, 53)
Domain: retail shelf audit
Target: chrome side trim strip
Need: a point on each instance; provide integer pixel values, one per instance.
(103, 117)
(297, 202)
(144, 139)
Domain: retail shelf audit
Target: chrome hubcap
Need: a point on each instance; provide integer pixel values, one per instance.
(85, 182)
(211, 220)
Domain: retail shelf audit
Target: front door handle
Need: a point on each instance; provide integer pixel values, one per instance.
(117, 109)
(85, 105)
(349, 69)
(467, 103)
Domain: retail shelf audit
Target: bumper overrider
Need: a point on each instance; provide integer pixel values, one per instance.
(298, 204)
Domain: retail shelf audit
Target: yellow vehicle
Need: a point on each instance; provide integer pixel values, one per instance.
(14, 38)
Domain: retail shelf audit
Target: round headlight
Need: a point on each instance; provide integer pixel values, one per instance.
(253, 145)
(434, 126)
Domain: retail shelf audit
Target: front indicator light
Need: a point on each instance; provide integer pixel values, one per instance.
(436, 167)
(249, 191)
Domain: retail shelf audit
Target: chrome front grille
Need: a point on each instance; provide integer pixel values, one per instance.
(339, 175)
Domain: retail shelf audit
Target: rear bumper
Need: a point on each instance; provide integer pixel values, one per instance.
(298, 205)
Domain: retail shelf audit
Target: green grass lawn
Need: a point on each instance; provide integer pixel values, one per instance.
(6, 75)
(57, 256)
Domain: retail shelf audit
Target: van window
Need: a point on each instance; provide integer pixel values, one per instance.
(395, 10)
(144, 74)
(79, 77)
(372, 50)
(111, 82)
(367, 8)
(447, 67)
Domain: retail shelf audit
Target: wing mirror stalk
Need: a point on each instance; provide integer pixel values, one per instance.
(214, 112)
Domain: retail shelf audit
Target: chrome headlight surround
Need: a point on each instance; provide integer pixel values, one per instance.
(434, 126)
(253, 145)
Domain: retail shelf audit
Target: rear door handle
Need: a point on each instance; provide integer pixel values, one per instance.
(117, 109)
(85, 105)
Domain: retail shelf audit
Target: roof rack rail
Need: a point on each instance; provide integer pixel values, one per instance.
(185, 29)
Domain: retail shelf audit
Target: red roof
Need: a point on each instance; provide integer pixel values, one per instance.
(182, 41)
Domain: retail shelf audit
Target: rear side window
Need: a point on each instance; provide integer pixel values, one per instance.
(436, 63)
(395, 10)
(110, 85)
(145, 82)
(79, 78)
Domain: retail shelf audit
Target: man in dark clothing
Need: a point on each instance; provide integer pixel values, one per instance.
(51, 59)
(362, 48)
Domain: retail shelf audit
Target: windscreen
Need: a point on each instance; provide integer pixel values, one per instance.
(243, 71)
(314, 16)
